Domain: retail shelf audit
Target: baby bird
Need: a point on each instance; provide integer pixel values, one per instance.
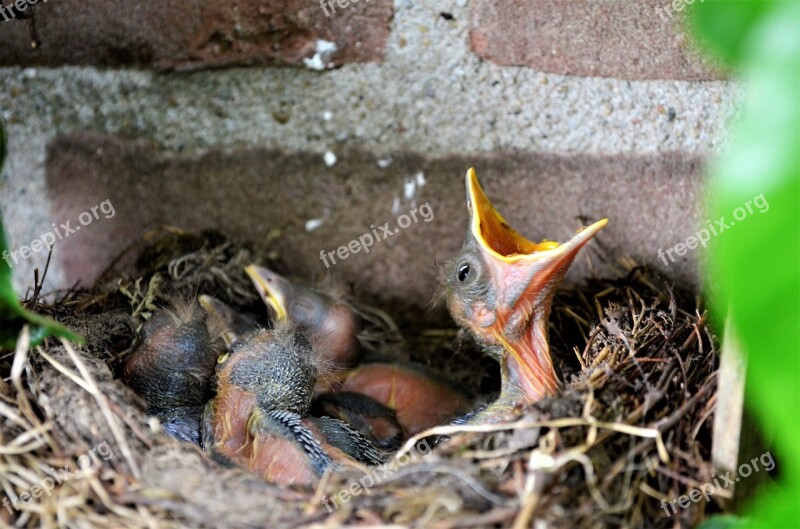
(330, 324)
(500, 287)
(172, 368)
(259, 417)
(418, 398)
(377, 422)
(421, 399)
(224, 323)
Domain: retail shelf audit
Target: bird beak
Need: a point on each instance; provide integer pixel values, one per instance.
(272, 288)
(220, 319)
(330, 325)
(523, 276)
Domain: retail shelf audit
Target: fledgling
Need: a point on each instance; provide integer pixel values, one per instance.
(172, 367)
(500, 287)
(224, 323)
(259, 417)
(418, 398)
(330, 323)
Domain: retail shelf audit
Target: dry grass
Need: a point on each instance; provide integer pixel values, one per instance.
(631, 428)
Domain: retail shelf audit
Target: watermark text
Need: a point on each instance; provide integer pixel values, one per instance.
(703, 235)
(16, 9)
(365, 241)
(57, 477)
(375, 476)
(707, 490)
(47, 240)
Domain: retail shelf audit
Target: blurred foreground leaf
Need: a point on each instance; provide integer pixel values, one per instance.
(753, 268)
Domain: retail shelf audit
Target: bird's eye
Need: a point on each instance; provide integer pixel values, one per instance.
(463, 271)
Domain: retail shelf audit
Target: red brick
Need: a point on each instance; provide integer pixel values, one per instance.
(194, 33)
(651, 202)
(627, 39)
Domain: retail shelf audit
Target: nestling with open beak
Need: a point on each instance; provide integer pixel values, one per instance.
(361, 395)
(500, 287)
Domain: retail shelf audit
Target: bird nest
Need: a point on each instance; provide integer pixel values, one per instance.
(631, 428)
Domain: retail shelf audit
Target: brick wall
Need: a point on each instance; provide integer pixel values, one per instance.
(220, 114)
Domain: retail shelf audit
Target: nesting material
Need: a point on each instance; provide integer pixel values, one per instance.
(631, 428)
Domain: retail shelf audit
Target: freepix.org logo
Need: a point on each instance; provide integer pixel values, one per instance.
(703, 235)
(55, 477)
(365, 241)
(706, 490)
(59, 233)
(16, 9)
(375, 476)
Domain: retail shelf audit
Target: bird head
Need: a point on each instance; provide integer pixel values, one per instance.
(174, 362)
(272, 365)
(330, 324)
(500, 287)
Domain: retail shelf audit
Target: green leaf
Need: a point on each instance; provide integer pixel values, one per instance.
(12, 315)
(753, 267)
(721, 25)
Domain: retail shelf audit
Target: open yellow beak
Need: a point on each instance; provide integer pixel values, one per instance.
(522, 275)
(502, 242)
